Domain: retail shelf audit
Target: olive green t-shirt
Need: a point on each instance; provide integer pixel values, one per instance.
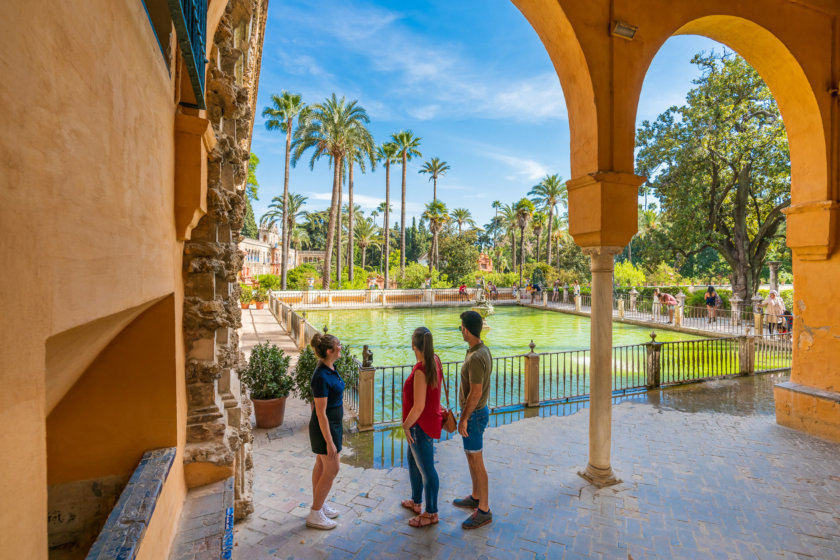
(478, 365)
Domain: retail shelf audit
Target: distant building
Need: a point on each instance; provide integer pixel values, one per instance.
(485, 263)
(265, 255)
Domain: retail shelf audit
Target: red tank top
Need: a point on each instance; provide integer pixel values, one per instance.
(431, 419)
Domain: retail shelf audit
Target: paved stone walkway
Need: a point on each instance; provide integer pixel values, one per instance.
(698, 483)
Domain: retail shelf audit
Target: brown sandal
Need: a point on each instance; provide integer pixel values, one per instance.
(425, 519)
(409, 504)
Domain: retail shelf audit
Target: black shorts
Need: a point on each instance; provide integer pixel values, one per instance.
(316, 438)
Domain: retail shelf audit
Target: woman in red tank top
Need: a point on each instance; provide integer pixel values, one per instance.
(422, 420)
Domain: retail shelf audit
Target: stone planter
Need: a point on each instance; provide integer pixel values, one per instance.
(269, 412)
(259, 304)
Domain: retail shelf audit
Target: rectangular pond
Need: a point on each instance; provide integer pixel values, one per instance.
(511, 328)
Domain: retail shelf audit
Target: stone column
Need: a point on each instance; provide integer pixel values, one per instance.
(633, 297)
(366, 398)
(565, 293)
(735, 306)
(774, 274)
(532, 377)
(598, 470)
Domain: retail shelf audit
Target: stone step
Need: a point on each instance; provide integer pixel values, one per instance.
(205, 530)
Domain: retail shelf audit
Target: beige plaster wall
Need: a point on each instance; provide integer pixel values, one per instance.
(86, 181)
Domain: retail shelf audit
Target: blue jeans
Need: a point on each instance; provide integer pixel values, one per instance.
(421, 469)
(476, 424)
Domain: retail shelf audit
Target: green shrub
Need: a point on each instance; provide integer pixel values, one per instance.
(267, 373)
(346, 366)
(260, 295)
(306, 364)
(246, 294)
(628, 275)
(270, 281)
(297, 278)
(415, 277)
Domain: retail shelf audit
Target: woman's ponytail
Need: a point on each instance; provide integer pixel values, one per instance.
(422, 340)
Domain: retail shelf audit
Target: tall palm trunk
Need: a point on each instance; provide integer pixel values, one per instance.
(513, 249)
(538, 248)
(350, 236)
(402, 219)
(434, 182)
(521, 252)
(364, 250)
(338, 236)
(548, 239)
(286, 231)
(325, 281)
(387, 226)
(432, 248)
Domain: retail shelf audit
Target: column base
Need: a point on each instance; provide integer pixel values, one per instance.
(808, 409)
(598, 477)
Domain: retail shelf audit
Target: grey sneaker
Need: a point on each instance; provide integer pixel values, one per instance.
(469, 502)
(477, 519)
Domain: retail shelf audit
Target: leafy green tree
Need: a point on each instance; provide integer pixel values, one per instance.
(286, 108)
(538, 224)
(277, 210)
(508, 223)
(327, 128)
(252, 185)
(550, 192)
(387, 154)
(407, 148)
(720, 167)
(458, 256)
(435, 168)
(416, 274)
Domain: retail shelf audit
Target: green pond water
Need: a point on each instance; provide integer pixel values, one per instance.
(388, 331)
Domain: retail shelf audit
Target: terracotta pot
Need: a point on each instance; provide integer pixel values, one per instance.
(269, 412)
(260, 305)
(246, 305)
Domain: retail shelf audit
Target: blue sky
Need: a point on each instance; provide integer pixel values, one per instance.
(470, 77)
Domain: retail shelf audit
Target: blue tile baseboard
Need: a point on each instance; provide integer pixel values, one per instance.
(123, 531)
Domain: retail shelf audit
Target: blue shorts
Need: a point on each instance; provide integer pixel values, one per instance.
(476, 424)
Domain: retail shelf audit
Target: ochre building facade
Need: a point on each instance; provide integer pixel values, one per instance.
(112, 149)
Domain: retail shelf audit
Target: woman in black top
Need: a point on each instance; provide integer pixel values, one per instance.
(325, 428)
(711, 302)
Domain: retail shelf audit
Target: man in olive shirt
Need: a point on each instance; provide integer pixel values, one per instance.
(474, 393)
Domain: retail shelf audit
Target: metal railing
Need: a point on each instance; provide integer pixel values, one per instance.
(565, 376)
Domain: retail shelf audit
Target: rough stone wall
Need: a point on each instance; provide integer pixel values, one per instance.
(218, 424)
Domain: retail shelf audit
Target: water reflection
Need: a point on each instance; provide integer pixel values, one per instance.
(739, 396)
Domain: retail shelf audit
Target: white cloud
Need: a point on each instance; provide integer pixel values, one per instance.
(522, 167)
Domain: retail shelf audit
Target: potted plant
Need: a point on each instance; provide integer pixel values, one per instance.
(259, 298)
(245, 296)
(269, 382)
(306, 364)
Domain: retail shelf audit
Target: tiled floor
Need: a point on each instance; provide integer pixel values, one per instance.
(707, 474)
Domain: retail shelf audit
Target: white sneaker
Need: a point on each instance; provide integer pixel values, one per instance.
(317, 520)
(329, 512)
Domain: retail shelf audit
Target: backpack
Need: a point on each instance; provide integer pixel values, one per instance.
(718, 301)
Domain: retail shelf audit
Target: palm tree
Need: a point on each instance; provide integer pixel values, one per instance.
(524, 210)
(538, 223)
(373, 215)
(287, 107)
(496, 205)
(387, 154)
(299, 237)
(367, 235)
(547, 194)
(462, 216)
(407, 145)
(437, 216)
(277, 211)
(361, 150)
(435, 168)
(329, 128)
(509, 221)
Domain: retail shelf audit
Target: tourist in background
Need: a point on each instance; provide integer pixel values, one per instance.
(422, 420)
(475, 415)
(774, 310)
(555, 292)
(711, 304)
(325, 428)
(670, 302)
(576, 289)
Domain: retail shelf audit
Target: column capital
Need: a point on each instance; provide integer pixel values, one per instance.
(603, 208)
(812, 229)
(601, 257)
